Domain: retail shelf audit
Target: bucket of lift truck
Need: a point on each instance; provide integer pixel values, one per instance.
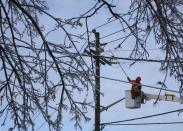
(137, 101)
(132, 103)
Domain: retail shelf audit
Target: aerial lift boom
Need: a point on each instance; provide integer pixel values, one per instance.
(136, 103)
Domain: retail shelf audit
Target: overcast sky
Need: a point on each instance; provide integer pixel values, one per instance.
(113, 90)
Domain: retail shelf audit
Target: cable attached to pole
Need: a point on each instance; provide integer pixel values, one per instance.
(114, 103)
(143, 124)
(139, 118)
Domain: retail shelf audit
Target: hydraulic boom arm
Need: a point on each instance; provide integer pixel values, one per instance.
(137, 101)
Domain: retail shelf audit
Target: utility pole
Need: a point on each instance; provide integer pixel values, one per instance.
(97, 82)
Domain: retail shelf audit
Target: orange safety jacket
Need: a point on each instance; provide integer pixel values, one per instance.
(136, 89)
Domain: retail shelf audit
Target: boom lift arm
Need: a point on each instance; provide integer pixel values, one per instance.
(136, 103)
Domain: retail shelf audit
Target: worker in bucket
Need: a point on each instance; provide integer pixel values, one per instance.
(136, 88)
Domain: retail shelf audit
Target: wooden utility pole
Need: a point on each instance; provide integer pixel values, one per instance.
(97, 82)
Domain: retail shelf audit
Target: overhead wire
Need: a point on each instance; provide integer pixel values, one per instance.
(123, 81)
(106, 23)
(102, 26)
(139, 118)
(116, 40)
(114, 103)
(97, 28)
(111, 34)
(154, 123)
(130, 59)
(124, 50)
(112, 57)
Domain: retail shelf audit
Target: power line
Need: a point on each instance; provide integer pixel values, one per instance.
(131, 59)
(156, 123)
(101, 25)
(116, 40)
(107, 57)
(114, 103)
(121, 50)
(105, 24)
(111, 34)
(144, 117)
(153, 87)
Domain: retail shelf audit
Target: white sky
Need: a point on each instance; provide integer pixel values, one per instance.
(115, 90)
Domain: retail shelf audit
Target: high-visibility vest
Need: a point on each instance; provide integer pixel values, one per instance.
(136, 90)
